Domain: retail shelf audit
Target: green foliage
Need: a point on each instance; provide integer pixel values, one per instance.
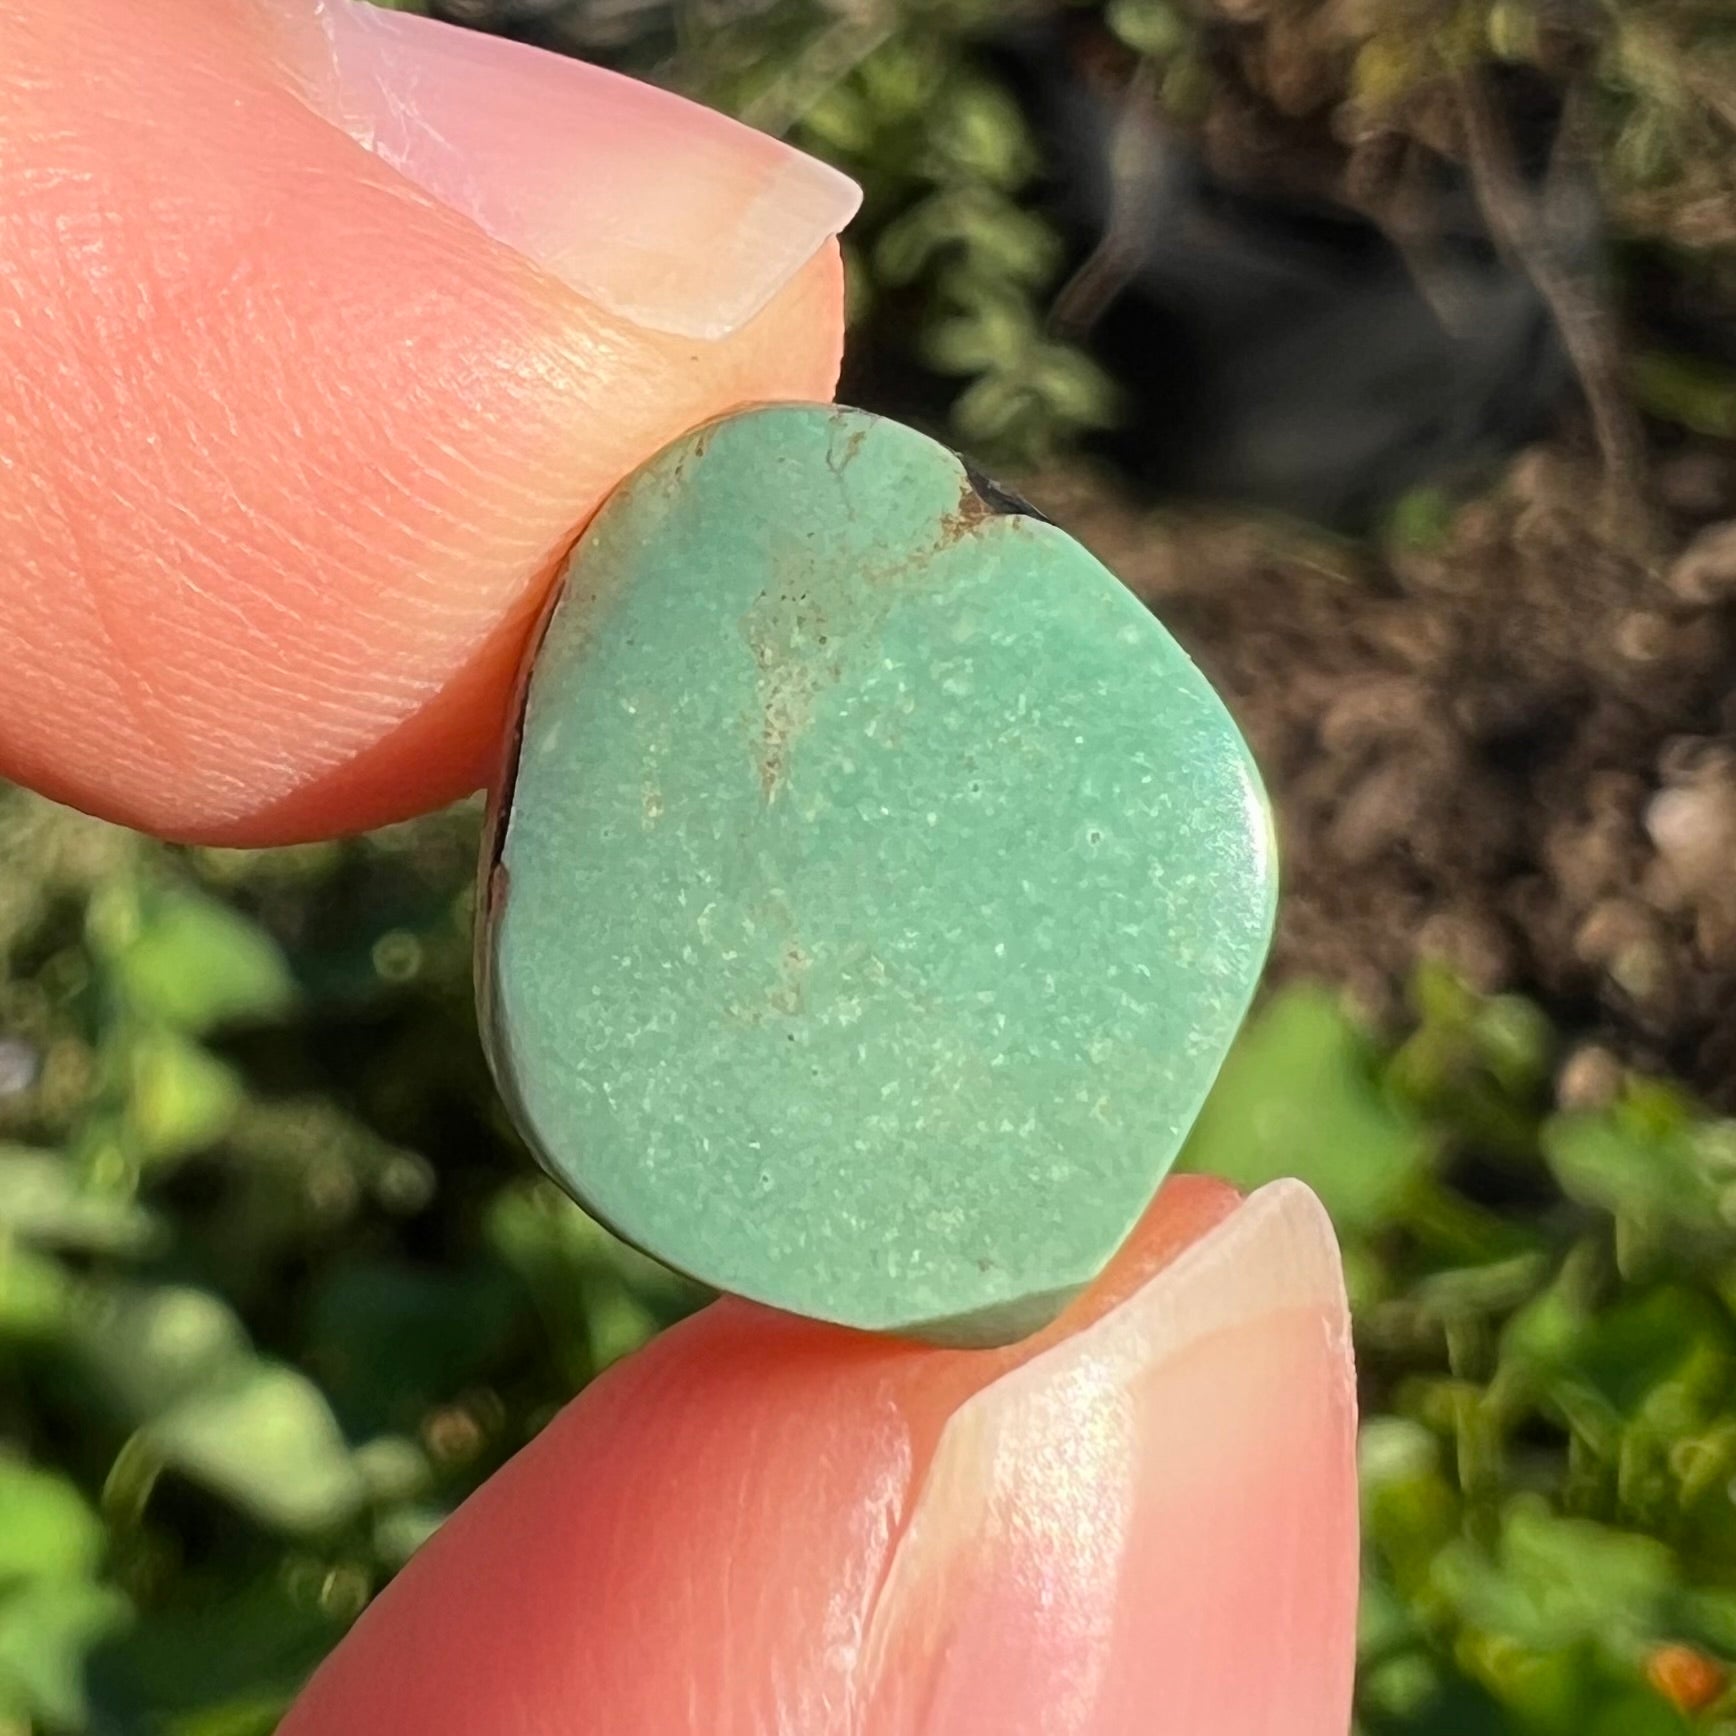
(1654, 79)
(52, 1607)
(1690, 392)
(1547, 1353)
(277, 1288)
(951, 154)
(948, 259)
(1297, 1097)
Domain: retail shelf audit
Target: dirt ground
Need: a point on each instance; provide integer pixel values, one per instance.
(1512, 748)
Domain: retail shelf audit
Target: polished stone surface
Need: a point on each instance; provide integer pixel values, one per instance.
(879, 889)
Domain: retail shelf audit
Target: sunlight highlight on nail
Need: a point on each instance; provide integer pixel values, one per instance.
(1150, 1528)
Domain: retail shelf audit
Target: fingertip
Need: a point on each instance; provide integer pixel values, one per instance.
(295, 452)
(451, 745)
(1105, 1533)
(761, 1522)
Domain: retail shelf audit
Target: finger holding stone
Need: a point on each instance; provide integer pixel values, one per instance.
(1140, 1523)
(322, 331)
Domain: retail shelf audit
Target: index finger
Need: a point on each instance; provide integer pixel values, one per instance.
(322, 332)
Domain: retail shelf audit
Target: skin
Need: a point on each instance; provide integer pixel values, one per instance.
(292, 448)
(304, 389)
(764, 1524)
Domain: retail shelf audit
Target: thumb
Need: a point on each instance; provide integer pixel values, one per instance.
(1140, 1523)
(322, 330)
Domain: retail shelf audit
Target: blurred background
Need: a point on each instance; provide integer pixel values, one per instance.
(1388, 348)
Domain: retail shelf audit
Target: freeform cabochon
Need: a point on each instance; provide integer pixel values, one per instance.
(879, 889)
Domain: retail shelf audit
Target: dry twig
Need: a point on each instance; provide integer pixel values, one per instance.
(1536, 230)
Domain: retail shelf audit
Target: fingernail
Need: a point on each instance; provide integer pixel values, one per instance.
(1151, 1526)
(662, 211)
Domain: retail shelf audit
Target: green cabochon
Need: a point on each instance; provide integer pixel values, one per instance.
(879, 889)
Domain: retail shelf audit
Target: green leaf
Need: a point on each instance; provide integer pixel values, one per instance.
(904, 248)
(1687, 391)
(249, 1717)
(1556, 1583)
(1075, 388)
(47, 1528)
(1645, 1160)
(1420, 519)
(1477, 1065)
(400, 1531)
(1545, 1333)
(197, 963)
(142, 1348)
(1298, 1097)
(1674, 1337)
(266, 1440)
(51, 1610)
(35, 1293)
(840, 122)
(1150, 27)
(44, 1201)
(981, 133)
(183, 1099)
(1393, 1450)
(1635, 1711)
(960, 346)
(48, 1628)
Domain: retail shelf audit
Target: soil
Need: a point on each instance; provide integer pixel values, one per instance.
(1513, 749)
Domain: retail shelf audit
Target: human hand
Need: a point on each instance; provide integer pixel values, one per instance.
(296, 431)
(322, 332)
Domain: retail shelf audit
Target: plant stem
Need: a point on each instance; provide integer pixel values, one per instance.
(1529, 228)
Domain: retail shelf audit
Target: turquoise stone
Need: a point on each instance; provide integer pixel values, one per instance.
(878, 889)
